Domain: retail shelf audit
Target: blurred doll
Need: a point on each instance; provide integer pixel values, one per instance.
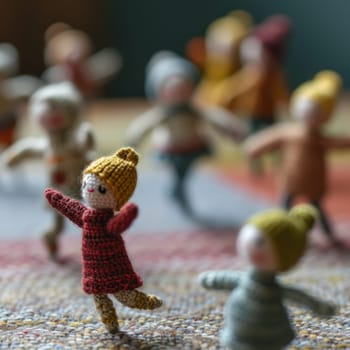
(107, 185)
(68, 55)
(255, 317)
(302, 144)
(178, 135)
(13, 90)
(217, 54)
(259, 88)
(66, 147)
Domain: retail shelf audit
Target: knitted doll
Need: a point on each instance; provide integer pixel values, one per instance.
(14, 89)
(217, 55)
(255, 316)
(303, 168)
(179, 136)
(107, 185)
(259, 88)
(66, 148)
(68, 55)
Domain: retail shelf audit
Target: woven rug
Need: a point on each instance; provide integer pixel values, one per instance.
(42, 305)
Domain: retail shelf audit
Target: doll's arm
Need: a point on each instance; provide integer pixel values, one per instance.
(104, 64)
(122, 221)
(268, 140)
(20, 87)
(221, 280)
(24, 149)
(225, 122)
(232, 88)
(85, 137)
(333, 143)
(299, 297)
(142, 125)
(71, 208)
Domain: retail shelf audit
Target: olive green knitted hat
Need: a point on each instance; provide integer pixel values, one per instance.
(118, 173)
(287, 232)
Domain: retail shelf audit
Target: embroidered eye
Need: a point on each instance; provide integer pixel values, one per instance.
(102, 189)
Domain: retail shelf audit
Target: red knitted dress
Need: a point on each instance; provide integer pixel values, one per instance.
(106, 265)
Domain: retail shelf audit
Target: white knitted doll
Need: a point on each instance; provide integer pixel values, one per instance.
(66, 148)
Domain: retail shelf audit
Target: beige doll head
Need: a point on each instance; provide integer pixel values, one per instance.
(275, 240)
(222, 41)
(56, 107)
(109, 182)
(63, 43)
(313, 102)
(268, 41)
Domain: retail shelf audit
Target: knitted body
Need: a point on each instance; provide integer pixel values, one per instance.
(106, 265)
(255, 317)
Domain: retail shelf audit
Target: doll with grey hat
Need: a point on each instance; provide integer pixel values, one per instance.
(177, 127)
(107, 185)
(255, 316)
(66, 146)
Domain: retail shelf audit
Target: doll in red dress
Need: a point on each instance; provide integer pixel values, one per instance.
(107, 185)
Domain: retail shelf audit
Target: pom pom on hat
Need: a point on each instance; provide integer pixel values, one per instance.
(118, 173)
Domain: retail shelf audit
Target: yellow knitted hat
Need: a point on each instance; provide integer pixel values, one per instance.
(323, 90)
(118, 173)
(233, 26)
(287, 232)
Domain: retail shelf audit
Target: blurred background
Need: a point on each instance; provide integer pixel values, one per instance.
(139, 28)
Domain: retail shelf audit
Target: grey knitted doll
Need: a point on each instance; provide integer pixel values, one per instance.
(255, 316)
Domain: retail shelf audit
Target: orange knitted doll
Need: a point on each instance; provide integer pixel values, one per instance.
(303, 171)
(107, 185)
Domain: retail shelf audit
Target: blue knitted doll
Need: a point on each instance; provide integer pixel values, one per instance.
(255, 315)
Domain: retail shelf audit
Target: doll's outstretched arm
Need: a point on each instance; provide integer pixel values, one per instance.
(334, 143)
(123, 219)
(265, 141)
(142, 125)
(221, 280)
(71, 208)
(225, 122)
(28, 148)
(300, 297)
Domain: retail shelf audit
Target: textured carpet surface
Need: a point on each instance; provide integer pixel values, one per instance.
(42, 305)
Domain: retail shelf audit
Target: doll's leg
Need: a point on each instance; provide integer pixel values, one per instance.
(50, 236)
(181, 169)
(107, 312)
(286, 201)
(326, 225)
(138, 300)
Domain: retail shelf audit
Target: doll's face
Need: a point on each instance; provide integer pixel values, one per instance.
(308, 111)
(252, 51)
(49, 117)
(253, 246)
(96, 194)
(176, 90)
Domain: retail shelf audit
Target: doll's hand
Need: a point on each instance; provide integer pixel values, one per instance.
(326, 309)
(52, 195)
(123, 219)
(130, 209)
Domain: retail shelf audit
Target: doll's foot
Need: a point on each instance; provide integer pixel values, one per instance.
(107, 312)
(112, 327)
(138, 300)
